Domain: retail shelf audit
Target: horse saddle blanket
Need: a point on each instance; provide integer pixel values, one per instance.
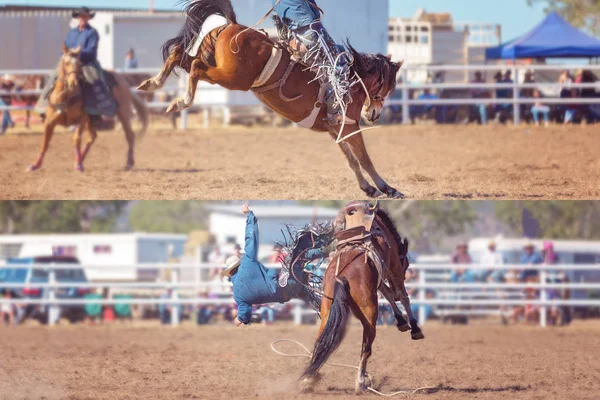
(97, 92)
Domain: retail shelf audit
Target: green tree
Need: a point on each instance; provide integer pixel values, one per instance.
(555, 219)
(168, 216)
(59, 216)
(581, 13)
(426, 223)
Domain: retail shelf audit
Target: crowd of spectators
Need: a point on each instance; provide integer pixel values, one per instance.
(502, 109)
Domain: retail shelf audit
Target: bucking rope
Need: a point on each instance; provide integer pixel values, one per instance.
(308, 354)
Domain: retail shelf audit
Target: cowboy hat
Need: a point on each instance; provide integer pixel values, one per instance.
(231, 265)
(83, 11)
(8, 78)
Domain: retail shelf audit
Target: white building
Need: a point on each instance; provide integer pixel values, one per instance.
(228, 224)
(105, 253)
(435, 39)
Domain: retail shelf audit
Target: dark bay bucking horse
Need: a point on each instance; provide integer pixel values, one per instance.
(370, 257)
(239, 58)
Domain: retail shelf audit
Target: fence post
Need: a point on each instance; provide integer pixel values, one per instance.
(53, 308)
(226, 116)
(422, 297)
(516, 95)
(298, 314)
(182, 89)
(543, 297)
(174, 298)
(405, 99)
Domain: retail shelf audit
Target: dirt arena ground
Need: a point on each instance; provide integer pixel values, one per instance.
(485, 361)
(424, 162)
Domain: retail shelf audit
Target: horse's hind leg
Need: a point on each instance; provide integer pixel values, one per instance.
(180, 104)
(365, 186)
(357, 144)
(93, 134)
(402, 324)
(159, 80)
(415, 332)
(125, 116)
(369, 322)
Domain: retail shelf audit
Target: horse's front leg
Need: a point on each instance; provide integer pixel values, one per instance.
(402, 324)
(365, 186)
(357, 145)
(49, 125)
(180, 104)
(159, 80)
(415, 332)
(92, 138)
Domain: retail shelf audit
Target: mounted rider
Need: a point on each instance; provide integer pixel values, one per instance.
(253, 283)
(97, 97)
(299, 26)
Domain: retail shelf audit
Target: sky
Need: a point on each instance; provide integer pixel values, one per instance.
(515, 16)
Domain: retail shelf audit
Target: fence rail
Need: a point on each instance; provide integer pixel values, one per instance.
(452, 291)
(515, 100)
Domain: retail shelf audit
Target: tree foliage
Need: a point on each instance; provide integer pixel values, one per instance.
(553, 219)
(581, 13)
(59, 216)
(168, 216)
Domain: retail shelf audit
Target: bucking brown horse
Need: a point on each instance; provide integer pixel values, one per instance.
(65, 107)
(238, 58)
(370, 256)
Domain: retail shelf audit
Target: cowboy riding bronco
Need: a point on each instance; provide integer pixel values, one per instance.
(97, 97)
(299, 26)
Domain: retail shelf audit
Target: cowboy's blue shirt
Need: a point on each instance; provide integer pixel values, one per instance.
(88, 39)
(297, 13)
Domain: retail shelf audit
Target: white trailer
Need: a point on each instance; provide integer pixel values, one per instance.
(103, 252)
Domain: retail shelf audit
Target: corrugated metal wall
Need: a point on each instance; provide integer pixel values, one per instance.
(32, 40)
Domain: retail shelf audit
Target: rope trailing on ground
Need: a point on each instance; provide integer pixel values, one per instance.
(307, 354)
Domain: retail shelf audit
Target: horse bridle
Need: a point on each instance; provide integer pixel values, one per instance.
(70, 100)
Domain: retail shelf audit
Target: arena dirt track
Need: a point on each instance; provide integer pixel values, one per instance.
(462, 362)
(424, 162)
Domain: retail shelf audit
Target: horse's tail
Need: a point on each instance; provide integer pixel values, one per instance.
(198, 12)
(335, 328)
(142, 113)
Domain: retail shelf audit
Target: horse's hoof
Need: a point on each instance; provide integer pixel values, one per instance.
(32, 168)
(404, 328)
(147, 86)
(373, 192)
(307, 385)
(417, 335)
(361, 388)
(394, 194)
(128, 167)
(79, 168)
(176, 106)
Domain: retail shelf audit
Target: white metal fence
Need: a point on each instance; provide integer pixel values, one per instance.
(405, 87)
(481, 298)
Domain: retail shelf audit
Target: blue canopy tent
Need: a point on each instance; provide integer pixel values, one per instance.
(553, 37)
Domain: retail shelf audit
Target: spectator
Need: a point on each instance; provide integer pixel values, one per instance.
(165, 309)
(267, 314)
(503, 109)
(7, 85)
(385, 315)
(130, 60)
(529, 79)
(568, 92)
(481, 109)
(205, 311)
(566, 80)
(461, 256)
(490, 259)
(539, 108)
(530, 257)
(6, 310)
(556, 312)
(426, 111)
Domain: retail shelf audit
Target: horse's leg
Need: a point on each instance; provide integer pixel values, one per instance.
(415, 332)
(357, 144)
(159, 80)
(180, 104)
(125, 115)
(355, 166)
(77, 144)
(93, 134)
(49, 126)
(369, 323)
(402, 324)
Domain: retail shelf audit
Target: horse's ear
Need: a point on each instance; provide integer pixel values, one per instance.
(76, 52)
(389, 57)
(398, 65)
(65, 49)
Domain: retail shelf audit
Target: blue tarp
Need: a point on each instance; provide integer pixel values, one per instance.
(553, 37)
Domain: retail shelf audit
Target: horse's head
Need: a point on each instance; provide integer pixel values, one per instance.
(69, 70)
(378, 73)
(356, 213)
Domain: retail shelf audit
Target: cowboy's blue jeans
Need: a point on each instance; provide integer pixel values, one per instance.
(6, 119)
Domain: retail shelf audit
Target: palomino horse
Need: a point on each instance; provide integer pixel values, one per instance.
(366, 258)
(65, 107)
(238, 58)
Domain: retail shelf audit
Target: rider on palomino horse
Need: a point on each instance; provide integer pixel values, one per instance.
(97, 96)
(254, 284)
(299, 25)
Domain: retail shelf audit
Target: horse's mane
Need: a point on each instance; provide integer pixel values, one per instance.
(197, 12)
(386, 220)
(366, 64)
